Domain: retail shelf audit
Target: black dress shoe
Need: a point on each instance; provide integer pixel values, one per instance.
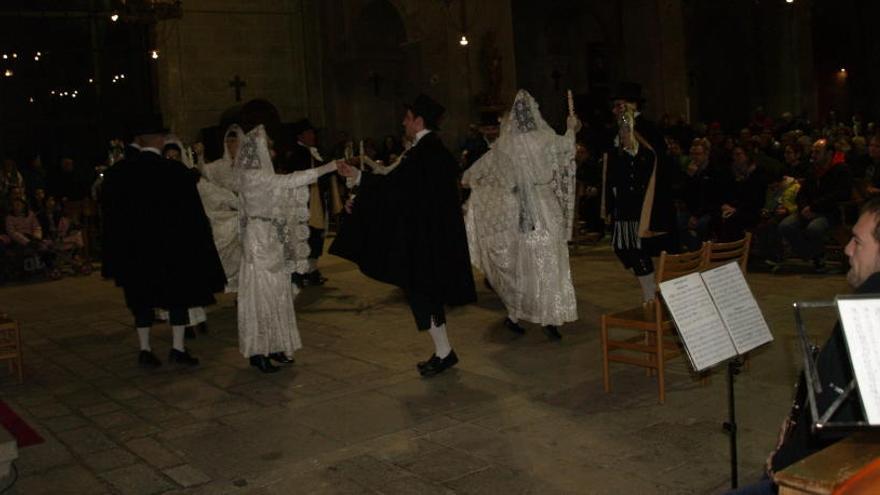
(514, 327)
(315, 278)
(422, 364)
(552, 332)
(298, 279)
(189, 333)
(281, 358)
(181, 357)
(148, 360)
(263, 364)
(437, 365)
(203, 327)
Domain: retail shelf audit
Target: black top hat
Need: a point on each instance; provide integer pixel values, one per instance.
(148, 124)
(429, 110)
(629, 91)
(172, 146)
(301, 126)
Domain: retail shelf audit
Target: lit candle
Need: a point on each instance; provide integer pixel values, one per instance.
(570, 103)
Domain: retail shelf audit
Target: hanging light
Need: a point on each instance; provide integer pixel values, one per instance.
(8, 73)
(463, 41)
(5, 57)
(114, 16)
(31, 99)
(14, 55)
(39, 54)
(154, 54)
(121, 76)
(91, 81)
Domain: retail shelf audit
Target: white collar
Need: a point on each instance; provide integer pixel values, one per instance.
(135, 146)
(420, 135)
(152, 150)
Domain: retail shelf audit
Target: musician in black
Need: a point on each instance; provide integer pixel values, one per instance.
(796, 438)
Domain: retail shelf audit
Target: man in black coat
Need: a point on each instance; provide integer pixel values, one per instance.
(158, 249)
(406, 229)
(797, 439)
(663, 222)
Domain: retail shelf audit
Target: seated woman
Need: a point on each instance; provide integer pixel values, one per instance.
(26, 233)
(22, 226)
(57, 229)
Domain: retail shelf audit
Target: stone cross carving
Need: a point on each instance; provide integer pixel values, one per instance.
(237, 83)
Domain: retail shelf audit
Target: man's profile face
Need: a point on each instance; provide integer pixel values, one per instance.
(308, 137)
(863, 251)
(412, 124)
(172, 154)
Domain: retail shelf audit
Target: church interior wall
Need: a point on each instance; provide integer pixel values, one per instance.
(261, 41)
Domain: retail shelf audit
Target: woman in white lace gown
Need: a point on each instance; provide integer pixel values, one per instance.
(266, 318)
(519, 217)
(220, 199)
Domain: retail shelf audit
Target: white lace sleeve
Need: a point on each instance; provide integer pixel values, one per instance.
(304, 177)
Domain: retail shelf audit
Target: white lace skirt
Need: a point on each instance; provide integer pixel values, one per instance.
(266, 318)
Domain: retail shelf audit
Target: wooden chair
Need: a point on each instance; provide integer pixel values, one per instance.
(655, 338)
(720, 253)
(10, 345)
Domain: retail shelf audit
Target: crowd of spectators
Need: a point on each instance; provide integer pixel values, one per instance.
(42, 214)
(793, 185)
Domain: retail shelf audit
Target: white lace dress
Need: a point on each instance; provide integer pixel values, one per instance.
(266, 317)
(220, 199)
(519, 216)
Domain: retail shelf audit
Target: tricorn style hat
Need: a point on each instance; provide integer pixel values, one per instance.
(301, 126)
(629, 91)
(148, 124)
(429, 110)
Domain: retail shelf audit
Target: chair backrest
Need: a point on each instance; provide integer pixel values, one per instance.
(725, 252)
(677, 265)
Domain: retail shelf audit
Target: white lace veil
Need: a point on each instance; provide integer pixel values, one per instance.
(530, 149)
(253, 155)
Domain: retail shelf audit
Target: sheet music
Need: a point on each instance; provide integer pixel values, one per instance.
(737, 307)
(860, 318)
(699, 324)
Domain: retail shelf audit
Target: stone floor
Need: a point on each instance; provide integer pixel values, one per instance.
(518, 415)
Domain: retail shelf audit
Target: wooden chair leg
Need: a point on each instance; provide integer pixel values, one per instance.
(649, 358)
(661, 362)
(604, 337)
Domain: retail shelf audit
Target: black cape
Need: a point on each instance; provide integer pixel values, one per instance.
(157, 242)
(407, 229)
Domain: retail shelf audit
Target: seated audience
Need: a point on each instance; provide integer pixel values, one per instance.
(825, 188)
(780, 202)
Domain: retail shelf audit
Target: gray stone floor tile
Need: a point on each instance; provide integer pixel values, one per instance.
(138, 479)
(109, 459)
